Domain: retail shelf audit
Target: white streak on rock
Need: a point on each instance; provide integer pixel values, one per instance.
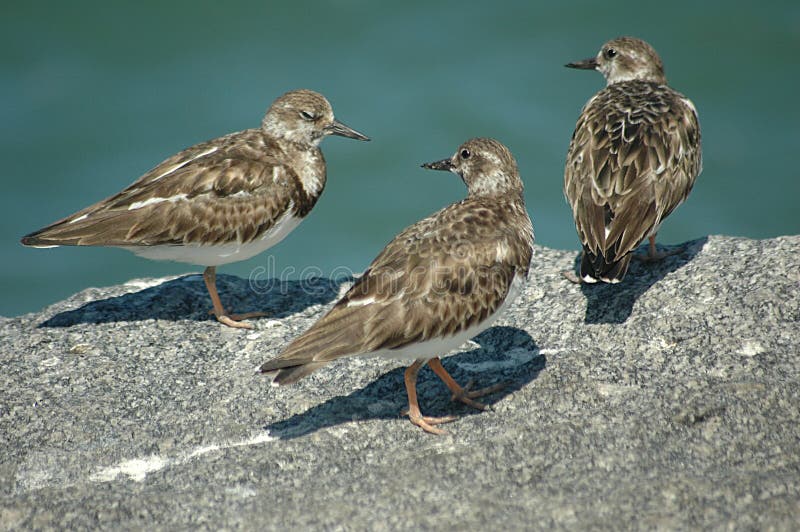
(137, 469)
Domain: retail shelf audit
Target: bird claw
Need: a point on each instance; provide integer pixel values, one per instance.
(427, 423)
(236, 320)
(231, 321)
(570, 276)
(657, 255)
(466, 394)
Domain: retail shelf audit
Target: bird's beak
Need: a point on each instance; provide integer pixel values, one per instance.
(337, 128)
(444, 164)
(586, 64)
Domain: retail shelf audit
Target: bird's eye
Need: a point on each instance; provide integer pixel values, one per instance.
(465, 153)
(306, 115)
(610, 53)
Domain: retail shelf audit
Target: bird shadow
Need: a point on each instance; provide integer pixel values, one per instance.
(186, 298)
(506, 354)
(613, 303)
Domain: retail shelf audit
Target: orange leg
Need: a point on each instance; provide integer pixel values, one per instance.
(231, 320)
(424, 422)
(651, 250)
(462, 394)
(653, 254)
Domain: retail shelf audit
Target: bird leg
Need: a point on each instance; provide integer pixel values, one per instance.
(424, 422)
(654, 255)
(464, 394)
(231, 320)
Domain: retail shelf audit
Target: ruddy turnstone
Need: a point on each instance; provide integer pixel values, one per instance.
(633, 158)
(440, 282)
(217, 202)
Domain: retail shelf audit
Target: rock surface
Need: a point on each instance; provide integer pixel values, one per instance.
(669, 401)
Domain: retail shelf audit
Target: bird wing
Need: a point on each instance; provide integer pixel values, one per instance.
(633, 158)
(437, 278)
(231, 188)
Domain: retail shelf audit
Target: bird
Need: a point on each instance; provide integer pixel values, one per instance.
(217, 202)
(634, 157)
(438, 283)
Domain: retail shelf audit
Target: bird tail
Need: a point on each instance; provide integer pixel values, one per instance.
(100, 229)
(336, 335)
(39, 239)
(289, 374)
(597, 267)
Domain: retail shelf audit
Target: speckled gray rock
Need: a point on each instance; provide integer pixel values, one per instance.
(671, 401)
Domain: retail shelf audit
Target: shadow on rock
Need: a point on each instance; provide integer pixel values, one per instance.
(507, 354)
(186, 298)
(613, 303)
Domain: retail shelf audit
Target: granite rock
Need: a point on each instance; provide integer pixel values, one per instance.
(671, 400)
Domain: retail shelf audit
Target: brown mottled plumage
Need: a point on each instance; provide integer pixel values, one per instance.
(219, 201)
(438, 283)
(633, 158)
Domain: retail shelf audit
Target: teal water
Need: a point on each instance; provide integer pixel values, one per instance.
(94, 94)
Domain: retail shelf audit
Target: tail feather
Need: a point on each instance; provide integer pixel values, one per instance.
(290, 374)
(33, 241)
(597, 267)
(100, 229)
(336, 335)
(45, 238)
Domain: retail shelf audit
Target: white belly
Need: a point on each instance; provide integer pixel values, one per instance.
(440, 347)
(219, 254)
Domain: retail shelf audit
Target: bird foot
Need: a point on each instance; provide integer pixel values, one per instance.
(232, 322)
(655, 256)
(236, 320)
(427, 423)
(466, 394)
(570, 276)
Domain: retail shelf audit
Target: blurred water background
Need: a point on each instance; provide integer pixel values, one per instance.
(96, 93)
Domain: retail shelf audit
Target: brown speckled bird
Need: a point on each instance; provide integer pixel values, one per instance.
(633, 158)
(221, 201)
(439, 283)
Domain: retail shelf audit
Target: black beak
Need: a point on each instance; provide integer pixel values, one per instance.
(337, 128)
(444, 164)
(586, 64)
